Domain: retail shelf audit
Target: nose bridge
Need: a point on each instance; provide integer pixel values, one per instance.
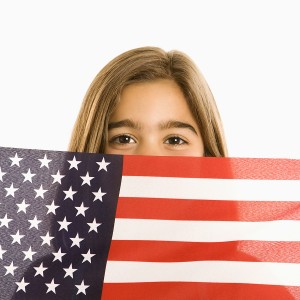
(149, 147)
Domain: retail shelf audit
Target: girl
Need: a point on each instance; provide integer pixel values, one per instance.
(149, 102)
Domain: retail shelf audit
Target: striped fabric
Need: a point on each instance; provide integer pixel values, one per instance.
(206, 228)
(93, 226)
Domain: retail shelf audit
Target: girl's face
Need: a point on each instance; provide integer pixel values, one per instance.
(153, 118)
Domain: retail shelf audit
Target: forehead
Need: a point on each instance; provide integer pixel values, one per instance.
(152, 103)
(154, 82)
(154, 86)
(154, 95)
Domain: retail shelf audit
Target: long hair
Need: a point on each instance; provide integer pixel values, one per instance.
(142, 65)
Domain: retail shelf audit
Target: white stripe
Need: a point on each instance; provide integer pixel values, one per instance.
(204, 271)
(205, 231)
(211, 189)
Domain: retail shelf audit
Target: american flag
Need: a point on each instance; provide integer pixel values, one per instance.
(94, 226)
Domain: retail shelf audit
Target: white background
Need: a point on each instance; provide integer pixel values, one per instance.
(248, 51)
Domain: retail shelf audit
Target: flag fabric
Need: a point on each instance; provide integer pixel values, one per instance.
(94, 226)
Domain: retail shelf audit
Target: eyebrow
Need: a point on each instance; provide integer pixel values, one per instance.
(164, 125)
(177, 124)
(124, 123)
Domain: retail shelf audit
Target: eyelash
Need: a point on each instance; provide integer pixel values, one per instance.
(128, 136)
(182, 141)
(115, 138)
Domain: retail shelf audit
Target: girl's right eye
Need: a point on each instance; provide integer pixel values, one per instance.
(122, 139)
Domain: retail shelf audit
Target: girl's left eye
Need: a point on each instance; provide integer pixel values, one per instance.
(175, 140)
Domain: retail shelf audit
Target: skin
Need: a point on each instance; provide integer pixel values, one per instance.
(153, 118)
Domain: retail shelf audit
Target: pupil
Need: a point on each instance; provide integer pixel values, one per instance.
(124, 139)
(175, 140)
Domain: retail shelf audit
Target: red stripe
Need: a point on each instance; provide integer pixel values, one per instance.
(197, 291)
(174, 209)
(212, 167)
(162, 251)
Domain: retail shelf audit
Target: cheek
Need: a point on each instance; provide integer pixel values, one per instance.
(109, 150)
(198, 148)
(199, 152)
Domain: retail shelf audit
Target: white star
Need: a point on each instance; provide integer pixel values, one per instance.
(45, 162)
(28, 254)
(51, 208)
(103, 164)
(76, 241)
(28, 176)
(46, 239)
(57, 177)
(4, 221)
(2, 174)
(15, 160)
(40, 192)
(87, 256)
(64, 224)
(40, 270)
(81, 209)
(94, 225)
(98, 195)
(58, 255)
(22, 285)
(34, 223)
(10, 269)
(81, 287)
(17, 237)
(22, 206)
(74, 163)
(69, 193)
(2, 251)
(86, 179)
(69, 271)
(52, 286)
(11, 190)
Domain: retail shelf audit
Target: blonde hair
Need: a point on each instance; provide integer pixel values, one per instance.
(141, 65)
